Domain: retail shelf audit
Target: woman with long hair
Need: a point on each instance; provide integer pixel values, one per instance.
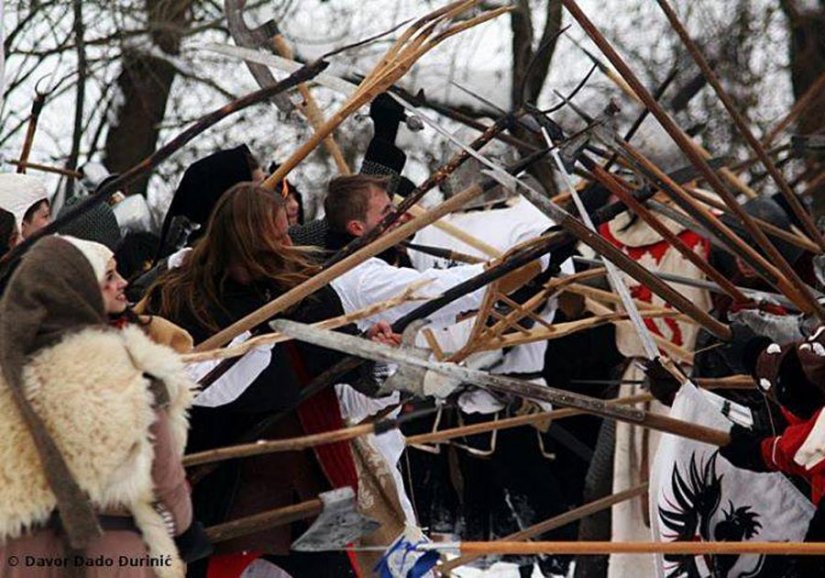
(244, 260)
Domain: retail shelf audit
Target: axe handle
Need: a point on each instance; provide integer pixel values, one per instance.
(310, 107)
(264, 521)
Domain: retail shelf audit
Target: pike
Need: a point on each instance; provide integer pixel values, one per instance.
(682, 548)
(742, 125)
(338, 522)
(263, 447)
(807, 302)
(500, 384)
(595, 241)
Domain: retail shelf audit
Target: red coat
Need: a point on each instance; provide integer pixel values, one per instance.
(778, 453)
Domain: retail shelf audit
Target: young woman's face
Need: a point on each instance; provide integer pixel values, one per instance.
(292, 209)
(41, 217)
(112, 287)
(282, 229)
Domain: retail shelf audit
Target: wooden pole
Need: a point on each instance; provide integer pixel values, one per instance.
(37, 106)
(688, 147)
(555, 522)
(798, 108)
(264, 521)
(509, 423)
(46, 169)
(740, 122)
(673, 548)
(277, 446)
(309, 107)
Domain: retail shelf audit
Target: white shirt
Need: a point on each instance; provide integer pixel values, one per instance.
(375, 280)
(503, 229)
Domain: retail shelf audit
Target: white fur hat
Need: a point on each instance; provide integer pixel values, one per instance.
(19, 192)
(96, 254)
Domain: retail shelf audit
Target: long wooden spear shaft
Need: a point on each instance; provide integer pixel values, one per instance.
(798, 210)
(262, 447)
(302, 75)
(687, 146)
(37, 106)
(327, 275)
(602, 548)
(555, 522)
(264, 520)
(798, 108)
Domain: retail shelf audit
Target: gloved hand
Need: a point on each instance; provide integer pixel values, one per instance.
(386, 114)
(661, 382)
(744, 450)
(744, 348)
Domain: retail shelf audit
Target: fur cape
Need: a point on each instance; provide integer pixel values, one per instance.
(91, 391)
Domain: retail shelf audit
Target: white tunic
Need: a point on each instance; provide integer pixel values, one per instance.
(503, 229)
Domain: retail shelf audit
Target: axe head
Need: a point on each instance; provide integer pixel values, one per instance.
(338, 524)
(407, 378)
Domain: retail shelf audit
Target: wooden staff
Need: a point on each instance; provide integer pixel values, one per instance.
(261, 447)
(687, 548)
(37, 106)
(458, 233)
(687, 146)
(416, 41)
(798, 108)
(509, 423)
(46, 169)
(794, 239)
(327, 275)
(309, 107)
(442, 253)
(555, 522)
(797, 208)
(265, 520)
(333, 323)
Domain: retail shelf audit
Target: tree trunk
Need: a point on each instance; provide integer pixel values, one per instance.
(807, 55)
(144, 83)
(530, 66)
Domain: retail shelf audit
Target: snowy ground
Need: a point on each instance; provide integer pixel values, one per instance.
(498, 570)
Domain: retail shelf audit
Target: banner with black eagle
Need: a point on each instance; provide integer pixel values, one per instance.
(697, 495)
